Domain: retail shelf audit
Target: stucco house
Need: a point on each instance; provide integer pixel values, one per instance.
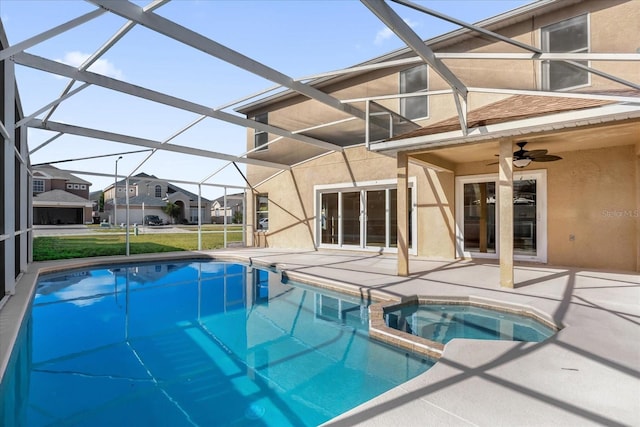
(147, 196)
(233, 209)
(516, 139)
(59, 197)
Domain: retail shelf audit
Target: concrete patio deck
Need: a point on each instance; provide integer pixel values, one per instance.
(587, 374)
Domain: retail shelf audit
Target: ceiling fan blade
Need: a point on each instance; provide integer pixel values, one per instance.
(494, 163)
(547, 158)
(534, 153)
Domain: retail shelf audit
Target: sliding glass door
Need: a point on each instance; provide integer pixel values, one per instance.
(364, 218)
(478, 222)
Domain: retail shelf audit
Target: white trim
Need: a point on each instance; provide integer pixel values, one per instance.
(540, 175)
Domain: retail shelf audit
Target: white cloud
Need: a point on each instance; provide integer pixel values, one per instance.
(385, 33)
(101, 66)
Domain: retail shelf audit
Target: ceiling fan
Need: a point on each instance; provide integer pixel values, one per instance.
(523, 158)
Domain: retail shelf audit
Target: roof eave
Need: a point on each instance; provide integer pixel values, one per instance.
(516, 128)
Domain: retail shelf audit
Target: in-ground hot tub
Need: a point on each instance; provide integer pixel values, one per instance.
(425, 325)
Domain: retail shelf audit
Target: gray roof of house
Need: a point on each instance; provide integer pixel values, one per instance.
(137, 201)
(56, 173)
(59, 196)
(231, 199)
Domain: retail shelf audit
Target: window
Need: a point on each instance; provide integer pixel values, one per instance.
(414, 80)
(262, 212)
(69, 186)
(260, 138)
(158, 191)
(193, 215)
(76, 186)
(570, 36)
(38, 186)
(83, 186)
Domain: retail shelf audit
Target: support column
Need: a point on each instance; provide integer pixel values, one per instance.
(505, 196)
(25, 211)
(200, 217)
(403, 214)
(9, 180)
(638, 207)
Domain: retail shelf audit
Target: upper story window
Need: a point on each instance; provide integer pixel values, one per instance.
(260, 138)
(38, 186)
(570, 36)
(414, 80)
(158, 191)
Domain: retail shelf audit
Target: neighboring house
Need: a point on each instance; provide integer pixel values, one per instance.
(407, 179)
(233, 211)
(147, 196)
(59, 197)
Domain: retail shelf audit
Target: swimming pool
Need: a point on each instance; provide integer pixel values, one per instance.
(195, 343)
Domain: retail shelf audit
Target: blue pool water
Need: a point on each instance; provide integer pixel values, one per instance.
(193, 344)
(444, 322)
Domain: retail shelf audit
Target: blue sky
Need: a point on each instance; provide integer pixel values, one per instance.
(297, 38)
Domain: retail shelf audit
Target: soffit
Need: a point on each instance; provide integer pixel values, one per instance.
(558, 142)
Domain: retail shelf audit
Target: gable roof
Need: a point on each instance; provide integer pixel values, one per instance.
(53, 172)
(172, 188)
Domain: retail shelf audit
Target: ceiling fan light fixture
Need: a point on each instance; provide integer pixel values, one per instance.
(521, 163)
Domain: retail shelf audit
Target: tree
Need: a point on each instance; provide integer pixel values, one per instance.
(172, 210)
(237, 218)
(101, 202)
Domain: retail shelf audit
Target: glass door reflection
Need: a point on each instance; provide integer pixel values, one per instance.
(525, 217)
(376, 218)
(480, 217)
(351, 218)
(329, 218)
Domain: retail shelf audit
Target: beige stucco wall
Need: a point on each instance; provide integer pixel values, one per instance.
(591, 196)
(291, 199)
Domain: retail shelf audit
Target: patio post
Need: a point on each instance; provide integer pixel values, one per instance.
(505, 213)
(637, 206)
(8, 179)
(403, 215)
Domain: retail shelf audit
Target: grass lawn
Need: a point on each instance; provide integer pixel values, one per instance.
(205, 228)
(66, 247)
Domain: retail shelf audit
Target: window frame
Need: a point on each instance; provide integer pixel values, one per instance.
(545, 80)
(33, 185)
(261, 214)
(402, 101)
(259, 135)
(158, 191)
